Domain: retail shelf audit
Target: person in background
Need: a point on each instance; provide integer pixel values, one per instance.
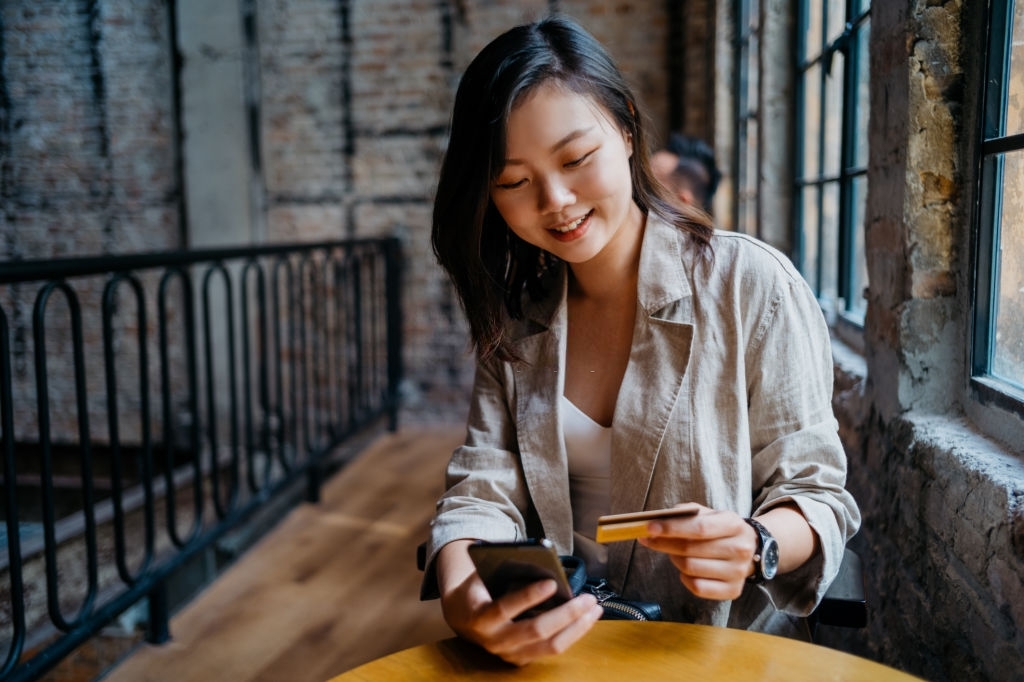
(686, 167)
(628, 357)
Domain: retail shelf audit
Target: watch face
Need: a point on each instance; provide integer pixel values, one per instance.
(770, 560)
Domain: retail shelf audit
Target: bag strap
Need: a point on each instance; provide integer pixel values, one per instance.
(575, 572)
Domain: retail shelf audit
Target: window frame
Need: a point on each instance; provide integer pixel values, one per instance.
(847, 310)
(986, 388)
(746, 198)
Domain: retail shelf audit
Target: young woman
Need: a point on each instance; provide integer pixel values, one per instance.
(629, 357)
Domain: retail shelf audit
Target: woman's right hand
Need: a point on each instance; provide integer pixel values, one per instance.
(471, 613)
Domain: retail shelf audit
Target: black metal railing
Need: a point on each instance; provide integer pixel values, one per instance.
(151, 403)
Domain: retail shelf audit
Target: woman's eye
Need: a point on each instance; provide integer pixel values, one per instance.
(577, 162)
(510, 185)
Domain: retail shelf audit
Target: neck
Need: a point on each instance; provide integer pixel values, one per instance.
(613, 272)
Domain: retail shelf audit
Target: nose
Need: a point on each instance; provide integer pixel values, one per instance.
(554, 195)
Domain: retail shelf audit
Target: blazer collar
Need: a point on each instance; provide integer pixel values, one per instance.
(663, 265)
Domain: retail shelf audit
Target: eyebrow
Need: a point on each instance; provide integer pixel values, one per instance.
(558, 145)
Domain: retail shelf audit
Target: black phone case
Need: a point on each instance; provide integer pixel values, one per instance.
(508, 566)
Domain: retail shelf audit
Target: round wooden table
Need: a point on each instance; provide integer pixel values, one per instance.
(624, 651)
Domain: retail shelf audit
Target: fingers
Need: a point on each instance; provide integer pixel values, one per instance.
(711, 579)
(712, 551)
(517, 603)
(499, 625)
(708, 588)
(546, 634)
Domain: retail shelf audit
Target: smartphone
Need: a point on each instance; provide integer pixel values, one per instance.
(508, 566)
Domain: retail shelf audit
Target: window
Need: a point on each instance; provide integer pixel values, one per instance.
(831, 162)
(747, 161)
(998, 349)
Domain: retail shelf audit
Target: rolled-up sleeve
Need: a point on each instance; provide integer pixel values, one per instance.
(485, 493)
(797, 456)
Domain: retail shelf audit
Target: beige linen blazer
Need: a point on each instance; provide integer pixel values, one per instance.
(726, 401)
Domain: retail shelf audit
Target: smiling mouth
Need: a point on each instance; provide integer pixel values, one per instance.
(569, 227)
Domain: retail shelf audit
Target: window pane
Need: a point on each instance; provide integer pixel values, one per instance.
(1015, 98)
(834, 116)
(1008, 356)
(829, 290)
(809, 230)
(836, 19)
(860, 153)
(857, 305)
(810, 136)
(812, 37)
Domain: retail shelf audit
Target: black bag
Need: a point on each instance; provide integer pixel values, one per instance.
(615, 607)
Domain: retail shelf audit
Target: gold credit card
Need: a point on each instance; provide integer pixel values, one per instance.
(618, 527)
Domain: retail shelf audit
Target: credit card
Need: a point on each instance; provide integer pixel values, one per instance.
(618, 527)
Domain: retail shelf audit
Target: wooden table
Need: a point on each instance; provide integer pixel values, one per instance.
(625, 651)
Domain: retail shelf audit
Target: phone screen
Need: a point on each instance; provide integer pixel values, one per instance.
(508, 566)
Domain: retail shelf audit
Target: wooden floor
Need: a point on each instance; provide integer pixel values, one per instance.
(332, 586)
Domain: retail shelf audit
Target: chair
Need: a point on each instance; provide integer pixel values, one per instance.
(844, 604)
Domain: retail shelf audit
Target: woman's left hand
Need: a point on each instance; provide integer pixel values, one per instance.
(713, 551)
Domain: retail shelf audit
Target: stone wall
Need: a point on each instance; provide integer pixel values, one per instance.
(943, 532)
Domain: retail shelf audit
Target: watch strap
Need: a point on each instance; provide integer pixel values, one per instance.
(762, 534)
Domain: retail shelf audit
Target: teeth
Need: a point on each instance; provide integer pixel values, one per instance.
(571, 226)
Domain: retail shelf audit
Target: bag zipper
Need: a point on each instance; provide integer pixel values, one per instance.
(631, 611)
(611, 601)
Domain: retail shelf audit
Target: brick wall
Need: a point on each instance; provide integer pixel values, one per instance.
(87, 129)
(352, 103)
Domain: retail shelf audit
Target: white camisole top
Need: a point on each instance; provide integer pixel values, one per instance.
(589, 447)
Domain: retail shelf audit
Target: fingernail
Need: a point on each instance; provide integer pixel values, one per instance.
(654, 528)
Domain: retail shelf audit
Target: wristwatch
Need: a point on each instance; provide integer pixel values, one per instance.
(766, 558)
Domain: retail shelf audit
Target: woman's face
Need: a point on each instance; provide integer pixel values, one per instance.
(565, 186)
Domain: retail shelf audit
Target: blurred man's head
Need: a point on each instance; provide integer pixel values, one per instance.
(686, 166)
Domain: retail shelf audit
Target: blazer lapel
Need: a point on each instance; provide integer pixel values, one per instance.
(539, 382)
(654, 380)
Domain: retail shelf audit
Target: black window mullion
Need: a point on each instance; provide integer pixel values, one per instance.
(823, 72)
(1002, 145)
(847, 238)
(739, 11)
(800, 96)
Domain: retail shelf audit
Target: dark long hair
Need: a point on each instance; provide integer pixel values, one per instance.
(492, 268)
